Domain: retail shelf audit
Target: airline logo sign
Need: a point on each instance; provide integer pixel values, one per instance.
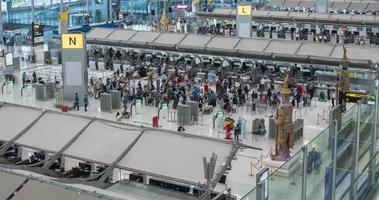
(72, 41)
(244, 10)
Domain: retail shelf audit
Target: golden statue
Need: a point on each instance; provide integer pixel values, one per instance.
(284, 139)
(163, 26)
(343, 77)
(285, 91)
(345, 60)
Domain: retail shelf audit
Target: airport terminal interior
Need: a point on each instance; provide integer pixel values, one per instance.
(189, 100)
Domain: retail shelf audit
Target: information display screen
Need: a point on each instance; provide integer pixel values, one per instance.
(9, 59)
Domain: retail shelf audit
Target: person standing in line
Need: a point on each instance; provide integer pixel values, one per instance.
(76, 102)
(85, 101)
(333, 97)
(24, 77)
(34, 77)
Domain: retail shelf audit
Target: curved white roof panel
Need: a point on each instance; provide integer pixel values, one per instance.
(11, 121)
(53, 131)
(174, 155)
(106, 140)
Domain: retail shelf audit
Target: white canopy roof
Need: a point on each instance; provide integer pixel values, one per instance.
(107, 142)
(156, 152)
(8, 184)
(40, 189)
(53, 131)
(174, 155)
(13, 123)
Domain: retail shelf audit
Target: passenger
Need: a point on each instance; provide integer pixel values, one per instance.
(333, 98)
(76, 102)
(24, 77)
(85, 101)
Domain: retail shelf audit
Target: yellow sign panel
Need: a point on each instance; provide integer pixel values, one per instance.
(63, 16)
(196, 1)
(244, 10)
(72, 41)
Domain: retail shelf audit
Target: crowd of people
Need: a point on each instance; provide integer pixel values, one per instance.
(227, 93)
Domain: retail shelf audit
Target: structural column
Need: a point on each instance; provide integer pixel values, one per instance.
(356, 153)
(322, 6)
(33, 10)
(110, 11)
(1, 22)
(87, 7)
(62, 6)
(334, 157)
(304, 172)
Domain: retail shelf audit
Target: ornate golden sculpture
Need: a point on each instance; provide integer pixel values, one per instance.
(284, 133)
(285, 91)
(343, 77)
(163, 27)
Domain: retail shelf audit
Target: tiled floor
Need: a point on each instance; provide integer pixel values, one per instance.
(239, 178)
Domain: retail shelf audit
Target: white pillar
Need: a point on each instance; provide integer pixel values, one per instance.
(33, 10)
(1, 20)
(110, 11)
(87, 7)
(62, 7)
(322, 6)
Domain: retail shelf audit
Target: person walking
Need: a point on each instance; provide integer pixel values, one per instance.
(333, 97)
(85, 101)
(24, 77)
(76, 102)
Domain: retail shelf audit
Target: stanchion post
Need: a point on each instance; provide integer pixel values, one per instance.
(304, 173)
(251, 169)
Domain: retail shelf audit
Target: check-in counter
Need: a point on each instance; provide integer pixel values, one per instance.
(101, 65)
(117, 65)
(92, 65)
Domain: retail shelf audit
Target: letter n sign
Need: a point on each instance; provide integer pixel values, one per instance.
(72, 41)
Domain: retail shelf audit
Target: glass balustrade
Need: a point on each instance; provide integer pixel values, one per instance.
(356, 164)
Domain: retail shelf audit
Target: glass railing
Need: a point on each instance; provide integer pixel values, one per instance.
(314, 180)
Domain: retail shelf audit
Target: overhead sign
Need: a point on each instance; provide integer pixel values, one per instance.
(63, 16)
(37, 33)
(354, 97)
(72, 41)
(181, 7)
(244, 10)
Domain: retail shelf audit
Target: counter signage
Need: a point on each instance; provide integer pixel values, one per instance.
(244, 10)
(72, 41)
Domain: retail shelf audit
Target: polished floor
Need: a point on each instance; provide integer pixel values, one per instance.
(241, 178)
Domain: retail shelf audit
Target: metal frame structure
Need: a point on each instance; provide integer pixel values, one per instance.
(99, 180)
(298, 17)
(247, 48)
(26, 179)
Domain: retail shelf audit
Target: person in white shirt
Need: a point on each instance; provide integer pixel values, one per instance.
(333, 97)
